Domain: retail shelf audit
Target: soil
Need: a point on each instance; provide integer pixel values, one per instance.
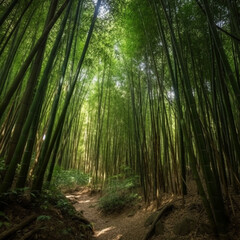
(126, 225)
(50, 217)
(55, 218)
(129, 224)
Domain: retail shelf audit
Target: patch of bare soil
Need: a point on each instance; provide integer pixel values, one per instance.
(185, 220)
(126, 225)
(197, 227)
(54, 218)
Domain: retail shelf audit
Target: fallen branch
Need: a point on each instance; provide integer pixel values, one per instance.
(162, 211)
(17, 227)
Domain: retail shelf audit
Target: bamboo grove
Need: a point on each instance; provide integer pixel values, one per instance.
(150, 86)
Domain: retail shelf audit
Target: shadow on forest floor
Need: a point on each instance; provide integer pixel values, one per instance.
(53, 217)
(186, 222)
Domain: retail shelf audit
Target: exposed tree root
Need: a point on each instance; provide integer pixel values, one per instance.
(32, 232)
(17, 227)
(83, 220)
(162, 211)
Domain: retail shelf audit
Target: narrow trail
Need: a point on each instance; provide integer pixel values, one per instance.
(128, 225)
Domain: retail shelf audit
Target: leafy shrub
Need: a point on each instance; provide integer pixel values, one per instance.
(116, 202)
(119, 194)
(56, 199)
(69, 178)
(43, 218)
(4, 220)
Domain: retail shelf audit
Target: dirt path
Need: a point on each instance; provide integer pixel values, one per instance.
(126, 226)
(129, 225)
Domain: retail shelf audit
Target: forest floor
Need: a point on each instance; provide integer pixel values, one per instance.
(186, 221)
(54, 217)
(50, 216)
(125, 225)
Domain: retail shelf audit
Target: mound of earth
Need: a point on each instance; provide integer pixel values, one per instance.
(50, 217)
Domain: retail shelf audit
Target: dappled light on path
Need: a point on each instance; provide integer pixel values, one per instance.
(101, 232)
(87, 201)
(72, 197)
(128, 225)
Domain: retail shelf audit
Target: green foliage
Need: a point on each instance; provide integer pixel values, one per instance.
(69, 178)
(6, 224)
(119, 183)
(4, 220)
(115, 202)
(12, 195)
(120, 193)
(57, 199)
(66, 231)
(2, 165)
(43, 218)
(65, 206)
(44, 205)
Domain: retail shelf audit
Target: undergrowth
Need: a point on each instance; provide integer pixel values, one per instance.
(56, 218)
(119, 194)
(57, 199)
(68, 178)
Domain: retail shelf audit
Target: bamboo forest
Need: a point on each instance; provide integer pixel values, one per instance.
(120, 119)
